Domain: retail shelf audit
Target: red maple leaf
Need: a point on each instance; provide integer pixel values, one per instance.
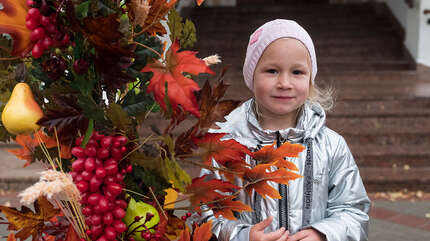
(222, 151)
(201, 233)
(203, 191)
(268, 154)
(180, 89)
(257, 178)
(226, 206)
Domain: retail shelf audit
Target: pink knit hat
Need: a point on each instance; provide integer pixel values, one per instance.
(266, 34)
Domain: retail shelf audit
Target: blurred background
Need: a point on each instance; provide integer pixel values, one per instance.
(376, 54)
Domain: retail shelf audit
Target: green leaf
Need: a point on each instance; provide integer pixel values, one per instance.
(88, 133)
(173, 172)
(141, 178)
(83, 84)
(82, 10)
(143, 54)
(78, 50)
(137, 103)
(90, 109)
(188, 38)
(169, 110)
(175, 25)
(120, 119)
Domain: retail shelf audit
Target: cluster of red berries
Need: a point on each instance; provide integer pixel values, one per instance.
(44, 32)
(99, 178)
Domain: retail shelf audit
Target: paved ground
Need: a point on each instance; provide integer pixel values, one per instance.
(402, 220)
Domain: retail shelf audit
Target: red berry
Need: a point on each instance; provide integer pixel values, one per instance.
(73, 174)
(100, 172)
(97, 136)
(78, 141)
(82, 239)
(78, 178)
(50, 28)
(123, 149)
(78, 165)
(109, 195)
(88, 232)
(96, 230)
(137, 218)
(131, 239)
(99, 163)
(37, 34)
(103, 204)
(109, 180)
(106, 142)
(47, 42)
(84, 198)
(87, 211)
(31, 24)
(148, 217)
(121, 139)
(110, 233)
(121, 203)
(188, 214)
(90, 151)
(37, 50)
(96, 219)
(103, 238)
(30, 3)
(119, 213)
(114, 188)
(129, 169)
(119, 226)
(157, 236)
(119, 177)
(111, 169)
(103, 153)
(146, 235)
(184, 218)
(110, 161)
(108, 218)
(92, 142)
(34, 14)
(65, 40)
(116, 153)
(88, 222)
(95, 184)
(78, 152)
(116, 144)
(86, 175)
(94, 199)
(82, 186)
(90, 164)
(44, 20)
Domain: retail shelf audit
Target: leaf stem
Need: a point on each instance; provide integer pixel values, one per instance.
(151, 49)
(158, 203)
(9, 58)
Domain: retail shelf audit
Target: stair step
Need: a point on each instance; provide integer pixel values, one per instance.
(395, 179)
(380, 125)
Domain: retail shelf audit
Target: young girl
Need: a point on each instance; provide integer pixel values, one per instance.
(329, 202)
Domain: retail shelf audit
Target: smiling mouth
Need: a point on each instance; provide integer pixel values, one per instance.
(283, 97)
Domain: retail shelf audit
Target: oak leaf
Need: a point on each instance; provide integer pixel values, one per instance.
(257, 178)
(269, 154)
(226, 206)
(27, 222)
(203, 191)
(12, 21)
(157, 12)
(139, 10)
(180, 89)
(221, 151)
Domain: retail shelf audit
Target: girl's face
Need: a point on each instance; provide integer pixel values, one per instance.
(281, 79)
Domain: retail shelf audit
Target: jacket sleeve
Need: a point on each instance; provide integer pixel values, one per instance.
(223, 229)
(348, 204)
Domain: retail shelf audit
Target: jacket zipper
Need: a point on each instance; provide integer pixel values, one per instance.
(283, 202)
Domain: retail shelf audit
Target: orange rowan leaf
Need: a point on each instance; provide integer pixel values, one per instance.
(27, 222)
(71, 234)
(185, 235)
(257, 178)
(221, 151)
(268, 154)
(180, 89)
(12, 21)
(225, 208)
(11, 237)
(203, 232)
(29, 144)
(205, 191)
(199, 2)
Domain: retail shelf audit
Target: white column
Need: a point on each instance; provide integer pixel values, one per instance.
(424, 34)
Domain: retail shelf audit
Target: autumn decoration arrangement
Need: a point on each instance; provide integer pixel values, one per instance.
(81, 81)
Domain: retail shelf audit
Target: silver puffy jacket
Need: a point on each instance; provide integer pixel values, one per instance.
(337, 203)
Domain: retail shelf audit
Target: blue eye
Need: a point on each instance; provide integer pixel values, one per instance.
(298, 72)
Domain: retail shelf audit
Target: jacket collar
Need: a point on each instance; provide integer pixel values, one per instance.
(242, 125)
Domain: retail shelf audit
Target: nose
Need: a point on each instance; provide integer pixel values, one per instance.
(284, 81)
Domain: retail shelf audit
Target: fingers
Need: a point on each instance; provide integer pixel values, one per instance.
(263, 224)
(298, 236)
(284, 236)
(275, 235)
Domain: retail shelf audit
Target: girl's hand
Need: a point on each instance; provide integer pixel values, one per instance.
(257, 232)
(307, 235)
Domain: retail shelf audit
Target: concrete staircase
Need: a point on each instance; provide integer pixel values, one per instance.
(383, 104)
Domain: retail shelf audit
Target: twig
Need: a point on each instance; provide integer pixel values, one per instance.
(139, 194)
(210, 167)
(9, 58)
(159, 206)
(151, 49)
(137, 148)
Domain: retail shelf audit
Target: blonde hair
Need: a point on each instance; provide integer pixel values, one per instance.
(322, 95)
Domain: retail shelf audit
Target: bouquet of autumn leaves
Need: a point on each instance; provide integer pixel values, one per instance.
(96, 95)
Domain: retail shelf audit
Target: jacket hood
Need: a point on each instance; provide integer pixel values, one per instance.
(242, 125)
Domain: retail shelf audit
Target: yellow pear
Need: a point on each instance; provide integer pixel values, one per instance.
(21, 112)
